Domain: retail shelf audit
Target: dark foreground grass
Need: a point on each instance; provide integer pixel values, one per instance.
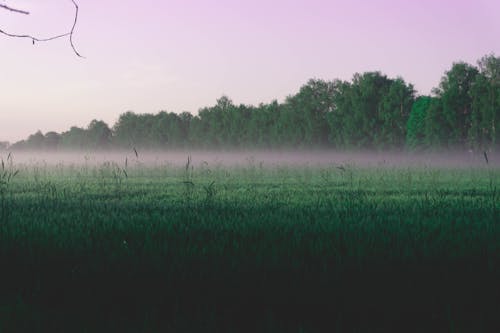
(252, 249)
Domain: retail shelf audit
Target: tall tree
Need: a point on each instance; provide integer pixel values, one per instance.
(75, 138)
(415, 134)
(485, 95)
(362, 123)
(262, 127)
(394, 112)
(215, 123)
(51, 140)
(99, 134)
(126, 133)
(310, 107)
(35, 141)
(436, 131)
(338, 134)
(455, 93)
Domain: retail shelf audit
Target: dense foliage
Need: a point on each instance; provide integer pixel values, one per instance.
(132, 248)
(370, 111)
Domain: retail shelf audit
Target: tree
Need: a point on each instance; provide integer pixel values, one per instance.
(126, 130)
(37, 39)
(310, 107)
(394, 112)
(35, 141)
(75, 138)
(214, 126)
(51, 140)
(168, 130)
(485, 94)
(98, 134)
(362, 121)
(455, 93)
(342, 106)
(436, 133)
(415, 128)
(261, 129)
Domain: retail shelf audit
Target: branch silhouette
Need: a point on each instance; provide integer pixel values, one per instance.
(37, 39)
(14, 9)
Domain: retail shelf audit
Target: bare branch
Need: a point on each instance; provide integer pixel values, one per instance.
(73, 29)
(14, 10)
(36, 39)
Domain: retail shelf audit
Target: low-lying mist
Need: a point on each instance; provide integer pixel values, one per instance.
(310, 158)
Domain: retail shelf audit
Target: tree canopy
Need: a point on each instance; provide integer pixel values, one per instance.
(371, 111)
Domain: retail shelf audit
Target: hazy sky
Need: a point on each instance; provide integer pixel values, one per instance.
(180, 55)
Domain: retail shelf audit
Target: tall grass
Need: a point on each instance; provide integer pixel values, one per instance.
(7, 174)
(202, 248)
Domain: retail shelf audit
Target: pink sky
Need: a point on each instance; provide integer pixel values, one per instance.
(180, 55)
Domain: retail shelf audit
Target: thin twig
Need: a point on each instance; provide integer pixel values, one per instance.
(73, 29)
(36, 39)
(14, 10)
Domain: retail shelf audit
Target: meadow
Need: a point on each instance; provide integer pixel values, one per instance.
(125, 245)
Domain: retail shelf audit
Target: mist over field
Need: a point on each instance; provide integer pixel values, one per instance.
(262, 159)
(265, 241)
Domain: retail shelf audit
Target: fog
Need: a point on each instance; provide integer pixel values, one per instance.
(312, 158)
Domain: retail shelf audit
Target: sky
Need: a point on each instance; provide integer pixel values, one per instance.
(180, 55)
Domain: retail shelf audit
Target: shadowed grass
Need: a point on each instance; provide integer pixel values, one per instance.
(250, 249)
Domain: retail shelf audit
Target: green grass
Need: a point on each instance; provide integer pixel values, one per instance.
(249, 249)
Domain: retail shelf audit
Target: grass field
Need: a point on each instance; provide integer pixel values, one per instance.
(130, 247)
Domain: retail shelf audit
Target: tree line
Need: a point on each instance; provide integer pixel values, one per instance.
(372, 111)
